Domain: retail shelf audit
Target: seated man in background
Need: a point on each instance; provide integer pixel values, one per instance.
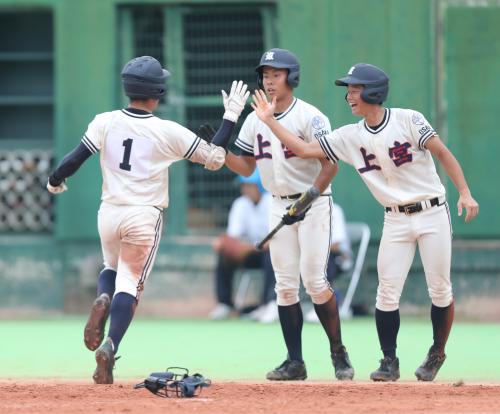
(340, 259)
(247, 225)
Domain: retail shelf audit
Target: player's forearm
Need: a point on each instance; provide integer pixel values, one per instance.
(223, 134)
(326, 175)
(69, 165)
(454, 171)
(239, 164)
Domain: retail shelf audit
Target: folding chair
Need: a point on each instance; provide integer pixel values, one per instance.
(358, 233)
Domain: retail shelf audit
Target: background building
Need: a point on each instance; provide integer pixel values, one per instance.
(59, 65)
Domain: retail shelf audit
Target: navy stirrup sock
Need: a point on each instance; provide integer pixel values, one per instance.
(291, 321)
(106, 282)
(387, 329)
(121, 314)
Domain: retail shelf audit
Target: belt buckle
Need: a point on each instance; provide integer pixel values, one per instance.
(412, 208)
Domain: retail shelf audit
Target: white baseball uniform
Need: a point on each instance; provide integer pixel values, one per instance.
(300, 249)
(136, 148)
(399, 171)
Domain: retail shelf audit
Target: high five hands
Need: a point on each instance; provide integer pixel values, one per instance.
(262, 107)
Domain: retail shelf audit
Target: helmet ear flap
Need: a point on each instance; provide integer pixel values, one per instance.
(260, 83)
(293, 77)
(375, 94)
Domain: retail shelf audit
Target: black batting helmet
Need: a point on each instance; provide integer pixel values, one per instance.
(280, 59)
(374, 79)
(143, 78)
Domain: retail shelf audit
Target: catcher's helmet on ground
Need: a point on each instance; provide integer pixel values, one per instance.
(143, 78)
(374, 79)
(280, 59)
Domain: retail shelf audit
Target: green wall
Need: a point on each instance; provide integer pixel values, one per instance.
(431, 70)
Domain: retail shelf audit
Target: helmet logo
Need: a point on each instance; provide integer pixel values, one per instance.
(351, 70)
(269, 56)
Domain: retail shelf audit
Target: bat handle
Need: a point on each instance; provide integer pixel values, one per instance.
(260, 245)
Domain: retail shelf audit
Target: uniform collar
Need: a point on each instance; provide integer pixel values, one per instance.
(382, 125)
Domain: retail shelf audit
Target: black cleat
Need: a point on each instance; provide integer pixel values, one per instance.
(430, 367)
(94, 329)
(388, 370)
(343, 368)
(105, 359)
(289, 370)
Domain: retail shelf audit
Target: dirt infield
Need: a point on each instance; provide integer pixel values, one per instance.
(240, 397)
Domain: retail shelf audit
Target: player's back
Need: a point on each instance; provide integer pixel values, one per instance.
(136, 149)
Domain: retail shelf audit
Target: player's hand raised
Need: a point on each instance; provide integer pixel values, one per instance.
(262, 107)
(235, 101)
(470, 205)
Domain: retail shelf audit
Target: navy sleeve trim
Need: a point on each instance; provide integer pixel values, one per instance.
(243, 145)
(192, 148)
(89, 144)
(328, 150)
(247, 154)
(423, 139)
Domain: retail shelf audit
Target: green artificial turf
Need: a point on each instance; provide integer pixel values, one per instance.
(237, 349)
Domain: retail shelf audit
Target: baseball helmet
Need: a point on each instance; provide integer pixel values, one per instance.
(143, 78)
(280, 59)
(252, 179)
(374, 80)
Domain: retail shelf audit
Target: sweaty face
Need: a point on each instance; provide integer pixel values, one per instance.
(354, 99)
(275, 83)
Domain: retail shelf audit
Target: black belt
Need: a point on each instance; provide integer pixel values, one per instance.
(414, 207)
(290, 197)
(295, 196)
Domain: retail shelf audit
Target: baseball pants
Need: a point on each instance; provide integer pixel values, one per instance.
(431, 231)
(130, 236)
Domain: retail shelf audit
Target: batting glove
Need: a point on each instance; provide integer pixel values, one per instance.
(288, 219)
(215, 158)
(235, 102)
(61, 188)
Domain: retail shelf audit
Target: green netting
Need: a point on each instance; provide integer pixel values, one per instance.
(219, 44)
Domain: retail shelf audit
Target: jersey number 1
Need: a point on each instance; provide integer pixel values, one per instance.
(125, 164)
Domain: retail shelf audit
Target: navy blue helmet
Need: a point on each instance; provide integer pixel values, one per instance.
(280, 59)
(374, 80)
(143, 78)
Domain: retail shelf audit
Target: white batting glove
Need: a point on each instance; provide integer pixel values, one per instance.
(235, 102)
(61, 188)
(215, 158)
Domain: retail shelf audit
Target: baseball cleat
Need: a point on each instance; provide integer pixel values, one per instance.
(430, 367)
(105, 359)
(94, 329)
(289, 370)
(343, 368)
(388, 370)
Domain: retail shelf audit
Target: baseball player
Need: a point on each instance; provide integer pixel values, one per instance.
(392, 149)
(301, 248)
(136, 148)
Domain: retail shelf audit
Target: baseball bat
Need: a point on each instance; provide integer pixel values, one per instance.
(298, 207)
(261, 244)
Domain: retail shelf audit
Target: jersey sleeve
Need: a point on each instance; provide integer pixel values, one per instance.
(246, 139)
(93, 137)
(181, 143)
(318, 127)
(421, 130)
(334, 146)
